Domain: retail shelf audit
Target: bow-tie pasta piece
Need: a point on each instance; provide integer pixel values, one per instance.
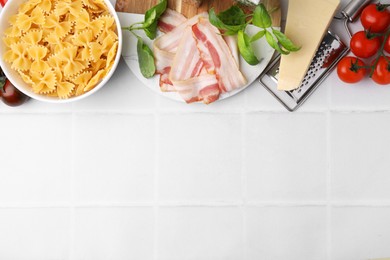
(32, 37)
(18, 56)
(38, 53)
(81, 81)
(44, 83)
(25, 21)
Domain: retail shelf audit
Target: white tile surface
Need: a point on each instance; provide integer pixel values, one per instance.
(282, 150)
(197, 154)
(29, 234)
(113, 233)
(360, 156)
(286, 233)
(127, 174)
(113, 158)
(35, 154)
(360, 233)
(365, 96)
(190, 233)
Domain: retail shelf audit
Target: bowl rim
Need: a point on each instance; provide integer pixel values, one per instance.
(40, 97)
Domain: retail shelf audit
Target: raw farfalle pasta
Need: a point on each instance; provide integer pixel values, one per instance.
(61, 48)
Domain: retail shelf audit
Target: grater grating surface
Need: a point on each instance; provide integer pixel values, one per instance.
(330, 51)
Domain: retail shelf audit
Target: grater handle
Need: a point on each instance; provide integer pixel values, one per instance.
(352, 11)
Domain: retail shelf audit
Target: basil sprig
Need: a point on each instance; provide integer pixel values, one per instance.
(234, 21)
(149, 26)
(231, 21)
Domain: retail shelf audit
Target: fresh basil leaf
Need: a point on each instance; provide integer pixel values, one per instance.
(273, 43)
(214, 19)
(151, 31)
(233, 16)
(145, 59)
(151, 18)
(227, 29)
(159, 9)
(257, 36)
(246, 49)
(261, 17)
(285, 42)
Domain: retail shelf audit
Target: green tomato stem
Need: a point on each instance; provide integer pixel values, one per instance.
(380, 53)
(381, 7)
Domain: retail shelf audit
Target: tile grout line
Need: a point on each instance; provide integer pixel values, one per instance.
(244, 182)
(329, 183)
(156, 178)
(72, 193)
(207, 204)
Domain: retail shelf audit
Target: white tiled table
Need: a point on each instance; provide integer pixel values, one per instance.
(127, 174)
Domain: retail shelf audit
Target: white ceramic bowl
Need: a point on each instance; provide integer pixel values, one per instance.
(10, 9)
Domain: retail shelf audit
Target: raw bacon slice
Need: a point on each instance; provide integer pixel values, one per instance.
(185, 73)
(166, 84)
(170, 20)
(204, 88)
(170, 41)
(163, 62)
(231, 41)
(187, 63)
(165, 47)
(213, 48)
(163, 59)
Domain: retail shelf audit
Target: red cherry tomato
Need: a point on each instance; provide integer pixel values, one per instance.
(376, 18)
(2, 2)
(349, 69)
(381, 73)
(363, 46)
(387, 45)
(11, 96)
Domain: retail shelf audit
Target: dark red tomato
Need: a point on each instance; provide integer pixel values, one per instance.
(387, 45)
(363, 46)
(2, 2)
(11, 96)
(375, 17)
(381, 73)
(350, 69)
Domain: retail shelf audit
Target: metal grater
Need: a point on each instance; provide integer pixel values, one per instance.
(330, 52)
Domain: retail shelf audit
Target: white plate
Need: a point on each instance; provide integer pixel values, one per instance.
(129, 53)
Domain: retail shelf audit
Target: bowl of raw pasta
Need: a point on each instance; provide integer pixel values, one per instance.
(59, 50)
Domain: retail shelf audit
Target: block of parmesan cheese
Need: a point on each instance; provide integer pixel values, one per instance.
(306, 24)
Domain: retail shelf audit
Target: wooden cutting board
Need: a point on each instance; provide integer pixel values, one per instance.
(141, 6)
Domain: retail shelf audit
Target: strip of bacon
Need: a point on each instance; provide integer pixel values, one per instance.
(187, 62)
(213, 48)
(163, 62)
(170, 41)
(231, 41)
(185, 73)
(166, 84)
(170, 20)
(163, 59)
(165, 47)
(204, 88)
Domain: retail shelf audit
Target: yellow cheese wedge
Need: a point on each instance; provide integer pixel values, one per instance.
(307, 22)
